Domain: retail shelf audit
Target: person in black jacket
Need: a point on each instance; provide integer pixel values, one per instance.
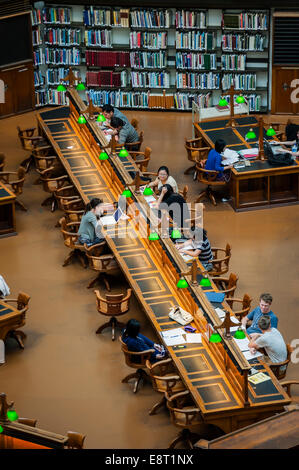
(175, 205)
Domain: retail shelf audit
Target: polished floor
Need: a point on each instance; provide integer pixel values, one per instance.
(68, 377)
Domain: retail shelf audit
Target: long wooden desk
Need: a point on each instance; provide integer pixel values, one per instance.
(216, 374)
(7, 211)
(260, 185)
(10, 319)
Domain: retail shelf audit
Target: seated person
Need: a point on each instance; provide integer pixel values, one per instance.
(89, 223)
(110, 112)
(198, 246)
(125, 131)
(214, 160)
(270, 339)
(164, 178)
(294, 143)
(175, 205)
(137, 342)
(255, 315)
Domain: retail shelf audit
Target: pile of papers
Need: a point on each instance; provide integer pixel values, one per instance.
(230, 157)
(177, 336)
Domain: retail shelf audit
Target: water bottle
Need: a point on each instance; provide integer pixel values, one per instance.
(294, 149)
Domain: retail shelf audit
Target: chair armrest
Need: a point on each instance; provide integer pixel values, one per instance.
(140, 353)
(161, 363)
(221, 279)
(216, 248)
(287, 384)
(11, 300)
(278, 364)
(149, 173)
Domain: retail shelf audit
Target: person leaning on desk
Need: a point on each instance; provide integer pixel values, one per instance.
(136, 342)
(214, 161)
(89, 223)
(125, 131)
(294, 143)
(174, 204)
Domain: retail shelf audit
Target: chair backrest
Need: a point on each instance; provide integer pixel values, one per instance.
(69, 232)
(246, 304)
(134, 123)
(133, 359)
(23, 300)
(113, 304)
(160, 380)
(24, 136)
(232, 283)
(184, 192)
(75, 440)
(2, 161)
(207, 176)
(221, 260)
(28, 421)
(182, 410)
(102, 263)
(280, 369)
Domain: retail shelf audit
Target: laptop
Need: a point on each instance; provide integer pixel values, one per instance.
(112, 219)
(272, 150)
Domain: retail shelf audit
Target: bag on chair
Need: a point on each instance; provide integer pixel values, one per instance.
(181, 316)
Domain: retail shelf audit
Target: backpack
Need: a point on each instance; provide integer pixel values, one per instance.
(280, 159)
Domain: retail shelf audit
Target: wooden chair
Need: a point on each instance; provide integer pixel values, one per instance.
(280, 368)
(208, 178)
(135, 146)
(29, 142)
(245, 305)
(220, 261)
(195, 153)
(27, 421)
(226, 285)
(113, 306)
(185, 416)
(15, 179)
(183, 192)
(66, 194)
(51, 184)
(135, 123)
(43, 160)
(2, 161)
(142, 159)
(73, 209)
(288, 385)
(164, 379)
(136, 360)
(103, 264)
(22, 304)
(75, 440)
(69, 231)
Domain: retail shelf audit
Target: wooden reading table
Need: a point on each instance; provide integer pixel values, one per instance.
(215, 374)
(260, 184)
(10, 319)
(7, 211)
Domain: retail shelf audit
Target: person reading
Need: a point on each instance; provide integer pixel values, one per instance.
(124, 131)
(294, 143)
(137, 342)
(175, 205)
(163, 178)
(109, 112)
(198, 246)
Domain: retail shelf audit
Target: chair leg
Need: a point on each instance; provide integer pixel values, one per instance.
(184, 436)
(21, 205)
(47, 201)
(27, 163)
(192, 168)
(201, 196)
(113, 323)
(100, 277)
(37, 181)
(69, 258)
(139, 375)
(53, 205)
(19, 336)
(157, 406)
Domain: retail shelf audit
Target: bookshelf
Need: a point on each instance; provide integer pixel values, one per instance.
(128, 56)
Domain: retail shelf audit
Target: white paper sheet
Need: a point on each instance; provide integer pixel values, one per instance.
(220, 313)
(172, 332)
(173, 341)
(248, 355)
(193, 337)
(2, 352)
(242, 343)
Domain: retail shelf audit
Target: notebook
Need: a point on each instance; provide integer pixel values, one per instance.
(215, 296)
(111, 219)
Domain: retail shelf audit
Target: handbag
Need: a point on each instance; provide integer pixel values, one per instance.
(181, 316)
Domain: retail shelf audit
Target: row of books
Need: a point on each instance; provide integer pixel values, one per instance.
(37, 38)
(107, 59)
(150, 80)
(244, 42)
(253, 100)
(105, 17)
(253, 21)
(51, 15)
(106, 78)
(195, 40)
(184, 101)
(157, 60)
(193, 60)
(233, 62)
(151, 18)
(53, 76)
(50, 96)
(147, 40)
(190, 19)
(38, 78)
(119, 98)
(240, 82)
(202, 81)
(56, 56)
(98, 37)
(63, 36)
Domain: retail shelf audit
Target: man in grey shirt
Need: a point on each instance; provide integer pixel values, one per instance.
(126, 132)
(109, 112)
(270, 339)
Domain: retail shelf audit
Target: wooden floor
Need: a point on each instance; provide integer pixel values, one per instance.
(69, 378)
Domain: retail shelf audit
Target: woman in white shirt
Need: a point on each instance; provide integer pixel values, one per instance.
(164, 178)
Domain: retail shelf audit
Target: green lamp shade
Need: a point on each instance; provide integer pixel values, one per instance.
(103, 156)
(205, 281)
(153, 236)
(101, 118)
(240, 334)
(222, 102)
(127, 193)
(240, 99)
(61, 87)
(176, 233)
(250, 134)
(148, 192)
(123, 153)
(1, 429)
(80, 86)
(12, 415)
(215, 338)
(182, 284)
(81, 119)
(271, 132)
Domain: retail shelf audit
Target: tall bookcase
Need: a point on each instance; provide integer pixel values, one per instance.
(144, 58)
